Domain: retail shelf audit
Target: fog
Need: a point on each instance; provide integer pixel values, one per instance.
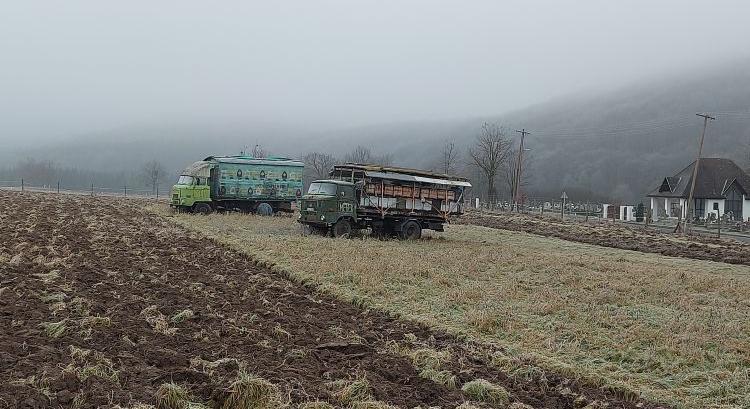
(80, 67)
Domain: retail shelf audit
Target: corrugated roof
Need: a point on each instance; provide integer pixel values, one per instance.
(365, 167)
(417, 179)
(715, 175)
(247, 160)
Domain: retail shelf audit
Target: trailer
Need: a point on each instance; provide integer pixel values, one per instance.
(391, 201)
(259, 185)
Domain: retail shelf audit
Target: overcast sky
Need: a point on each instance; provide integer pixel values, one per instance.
(74, 67)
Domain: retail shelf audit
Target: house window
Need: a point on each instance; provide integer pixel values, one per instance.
(675, 209)
(700, 208)
(716, 206)
(733, 203)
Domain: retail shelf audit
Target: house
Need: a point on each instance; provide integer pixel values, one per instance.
(721, 188)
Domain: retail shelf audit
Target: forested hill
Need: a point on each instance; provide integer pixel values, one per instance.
(612, 146)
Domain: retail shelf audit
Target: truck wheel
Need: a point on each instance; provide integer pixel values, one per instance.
(411, 230)
(264, 209)
(342, 228)
(202, 208)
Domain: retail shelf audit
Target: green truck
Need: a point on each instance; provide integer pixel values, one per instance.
(389, 200)
(258, 185)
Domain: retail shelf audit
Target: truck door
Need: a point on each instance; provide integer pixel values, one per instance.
(346, 204)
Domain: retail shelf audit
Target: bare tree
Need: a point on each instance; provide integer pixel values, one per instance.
(153, 173)
(318, 164)
(385, 159)
(448, 158)
(489, 153)
(360, 154)
(37, 171)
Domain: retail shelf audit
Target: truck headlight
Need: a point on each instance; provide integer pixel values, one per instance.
(322, 217)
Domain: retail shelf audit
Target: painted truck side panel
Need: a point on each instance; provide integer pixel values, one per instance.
(257, 182)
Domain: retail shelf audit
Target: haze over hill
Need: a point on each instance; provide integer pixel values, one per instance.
(610, 146)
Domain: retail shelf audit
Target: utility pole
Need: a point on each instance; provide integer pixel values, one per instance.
(517, 183)
(689, 205)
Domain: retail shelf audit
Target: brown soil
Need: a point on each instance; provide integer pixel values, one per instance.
(114, 275)
(637, 238)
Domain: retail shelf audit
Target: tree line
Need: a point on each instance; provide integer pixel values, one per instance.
(149, 176)
(489, 162)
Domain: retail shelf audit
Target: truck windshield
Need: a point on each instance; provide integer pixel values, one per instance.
(319, 188)
(185, 180)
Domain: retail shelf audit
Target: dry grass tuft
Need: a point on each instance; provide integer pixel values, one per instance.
(93, 321)
(252, 392)
(371, 404)
(48, 278)
(157, 320)
(486, 391)
(519, 405)
(54, 329)
(209, 367)
(467, 405)
(428, 363)
(87, 363)
(348, 391)
(182, 316)
(172, 396)
(316, 405)
(136, 405)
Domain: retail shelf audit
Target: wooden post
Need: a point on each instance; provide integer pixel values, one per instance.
(689, 204)
(587, 211)
(562, 210)
(126, 190)
(92, 189)
(718, 224)
(22, 184)
(58, 186)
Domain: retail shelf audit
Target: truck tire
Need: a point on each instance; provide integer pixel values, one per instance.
(342, 228)
(202, 208)
(264, 209)
(411, 230)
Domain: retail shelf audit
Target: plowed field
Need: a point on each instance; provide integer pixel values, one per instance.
(627, 237)
(103, 304)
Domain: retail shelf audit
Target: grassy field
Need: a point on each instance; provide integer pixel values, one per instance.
(675, 330)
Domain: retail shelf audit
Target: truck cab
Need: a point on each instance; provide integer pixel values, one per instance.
(191, 192)
(330, 205)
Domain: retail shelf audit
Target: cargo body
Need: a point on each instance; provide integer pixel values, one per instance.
(389, 200)
(261, 185)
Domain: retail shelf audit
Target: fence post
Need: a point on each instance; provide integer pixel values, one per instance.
(92, 189)
(22, 184)
(157, 191)
(126, 190)
(58, 186)
(718, 229)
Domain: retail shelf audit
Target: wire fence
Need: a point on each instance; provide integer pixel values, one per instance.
(566, 210)
(92, 189)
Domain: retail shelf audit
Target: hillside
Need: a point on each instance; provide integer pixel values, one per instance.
(611, 146)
